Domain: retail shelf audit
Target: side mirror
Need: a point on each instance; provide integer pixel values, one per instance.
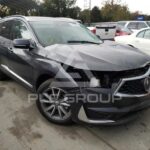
(24, 44)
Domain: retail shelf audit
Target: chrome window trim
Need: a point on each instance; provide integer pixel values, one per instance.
(17, 76)
(122, 81)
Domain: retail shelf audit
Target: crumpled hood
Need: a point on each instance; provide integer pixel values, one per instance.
(108, 56)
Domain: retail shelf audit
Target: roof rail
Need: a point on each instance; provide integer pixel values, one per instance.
(14, 16)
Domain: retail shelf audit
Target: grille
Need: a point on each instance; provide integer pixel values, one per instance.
(108, 78)
(133, 87)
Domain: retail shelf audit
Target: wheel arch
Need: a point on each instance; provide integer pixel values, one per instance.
(41, 79)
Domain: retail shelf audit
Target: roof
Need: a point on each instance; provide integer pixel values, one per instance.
(49, 18)
(38, 18)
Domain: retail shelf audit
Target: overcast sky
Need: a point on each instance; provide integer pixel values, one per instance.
(134, 5)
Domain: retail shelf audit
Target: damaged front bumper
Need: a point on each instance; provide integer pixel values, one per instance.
(106, 112)
(113, 106)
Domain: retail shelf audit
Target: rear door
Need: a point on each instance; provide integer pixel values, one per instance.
(142, 41)
(146, 42)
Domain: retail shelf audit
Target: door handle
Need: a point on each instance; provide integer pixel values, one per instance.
(10, 49)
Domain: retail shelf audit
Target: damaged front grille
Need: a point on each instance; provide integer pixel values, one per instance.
(133, 87)
(108, 78)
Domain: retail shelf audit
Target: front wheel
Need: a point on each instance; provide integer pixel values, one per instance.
(53, 104)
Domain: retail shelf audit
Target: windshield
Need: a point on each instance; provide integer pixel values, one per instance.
(59, 32)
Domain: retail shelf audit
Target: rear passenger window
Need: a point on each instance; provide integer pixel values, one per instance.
(132, 25)
(141, 25)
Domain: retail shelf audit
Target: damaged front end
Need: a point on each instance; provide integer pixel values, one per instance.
(108, 97)
(106, 84)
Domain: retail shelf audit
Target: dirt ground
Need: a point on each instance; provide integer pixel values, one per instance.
(23, 128)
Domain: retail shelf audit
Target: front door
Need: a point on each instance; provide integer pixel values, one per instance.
(20, 60)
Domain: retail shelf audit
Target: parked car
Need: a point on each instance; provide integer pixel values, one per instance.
(76, 76)
(140, 40)
(134, 25)
(104, 32)
(121, 31)
(92, 29)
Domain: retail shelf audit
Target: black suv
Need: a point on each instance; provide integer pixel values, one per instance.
(77, 77)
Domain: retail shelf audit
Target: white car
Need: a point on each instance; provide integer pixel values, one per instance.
(134, 25)
(139, 39)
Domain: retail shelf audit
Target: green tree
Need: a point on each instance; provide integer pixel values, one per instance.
(57, 8)
(96, 15)
(115, 11)
(134, 15)
(85, 16)
(3, 11)
(23, 7)
(74, 12)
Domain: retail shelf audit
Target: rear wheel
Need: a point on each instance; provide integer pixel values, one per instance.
(53, 104)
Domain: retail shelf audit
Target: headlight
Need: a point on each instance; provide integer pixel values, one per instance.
(78, 75)
(94, 82)
(84, 78)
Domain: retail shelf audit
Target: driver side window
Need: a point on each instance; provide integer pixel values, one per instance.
(19, 31)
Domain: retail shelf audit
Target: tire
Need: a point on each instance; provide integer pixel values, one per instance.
(2, 76)
(47, 89)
